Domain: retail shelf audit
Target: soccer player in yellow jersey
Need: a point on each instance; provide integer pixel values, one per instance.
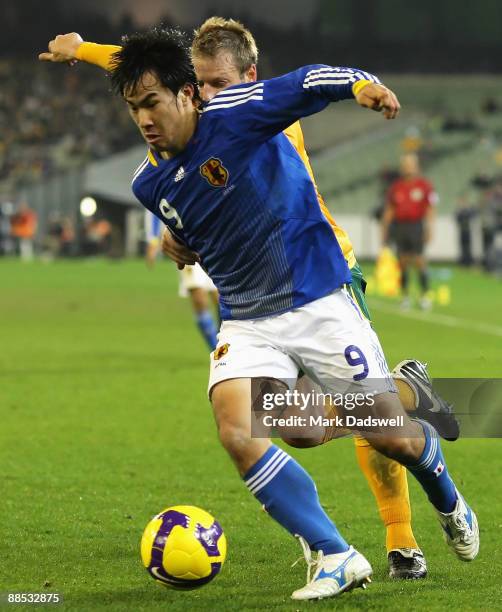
(224, 53)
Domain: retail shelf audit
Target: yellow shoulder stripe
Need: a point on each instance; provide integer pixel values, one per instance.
(152, 159)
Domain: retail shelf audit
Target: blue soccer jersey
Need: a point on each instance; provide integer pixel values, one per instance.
(241, 197)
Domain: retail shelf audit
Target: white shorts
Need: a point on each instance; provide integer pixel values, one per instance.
(194, 277)
(328, 339)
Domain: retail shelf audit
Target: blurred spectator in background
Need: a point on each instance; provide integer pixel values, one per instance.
(7, 245)
(97, 237)
(490, 105)
(43, 133)
(387, 175)
(59, 240)
(464, 214)
(23, 226)
(409, 207)
(67, 244)
(453, 123)
(491, 225)
(52, 239)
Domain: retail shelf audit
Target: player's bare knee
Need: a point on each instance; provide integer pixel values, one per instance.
(244, 450)
(303, 442)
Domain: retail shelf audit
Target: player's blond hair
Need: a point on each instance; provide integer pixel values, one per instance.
(217, 34)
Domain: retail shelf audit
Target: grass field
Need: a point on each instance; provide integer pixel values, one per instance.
(105, 422)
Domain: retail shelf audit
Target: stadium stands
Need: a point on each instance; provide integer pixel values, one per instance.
(456, 137)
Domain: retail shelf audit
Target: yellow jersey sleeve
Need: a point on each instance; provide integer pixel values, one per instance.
(295, 135)
(100, 55)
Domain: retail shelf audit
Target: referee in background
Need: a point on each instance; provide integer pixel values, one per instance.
(410, 208)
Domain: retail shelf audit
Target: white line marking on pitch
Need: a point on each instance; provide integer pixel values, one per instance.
(438, 319)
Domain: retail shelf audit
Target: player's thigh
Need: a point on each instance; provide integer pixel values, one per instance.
(215, 298)
(417, 240)
(244, 351)
(231, 401)
(243, 359)
(339, 349)
(405, 242)
(199, 299)
(311, 409)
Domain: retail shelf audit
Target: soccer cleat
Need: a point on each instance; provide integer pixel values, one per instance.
(333, 574)
(461, 530)
(407, 564)
(428, 404)
(405, 303)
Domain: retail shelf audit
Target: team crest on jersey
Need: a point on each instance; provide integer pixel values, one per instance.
(220, 351)
(214, 172)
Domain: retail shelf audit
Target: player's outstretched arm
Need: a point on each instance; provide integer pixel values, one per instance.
(256, 112)
(71, 48)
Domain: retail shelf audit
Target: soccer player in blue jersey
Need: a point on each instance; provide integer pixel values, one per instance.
(246, 205)
(194, 282)
(224, 53)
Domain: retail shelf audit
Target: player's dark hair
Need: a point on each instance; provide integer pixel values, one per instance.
(162, 51)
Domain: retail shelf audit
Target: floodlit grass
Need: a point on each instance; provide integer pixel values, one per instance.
(105, 421)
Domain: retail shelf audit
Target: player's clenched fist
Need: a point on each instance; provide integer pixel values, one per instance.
(63, 48)
(379, 98)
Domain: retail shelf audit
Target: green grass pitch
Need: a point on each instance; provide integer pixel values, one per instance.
(105, 421)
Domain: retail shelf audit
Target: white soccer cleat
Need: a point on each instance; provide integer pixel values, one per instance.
(334, 574)
(461, 530)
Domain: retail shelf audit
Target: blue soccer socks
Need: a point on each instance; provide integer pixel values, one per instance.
(290, 496)
(207, 326)
(432, 473)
